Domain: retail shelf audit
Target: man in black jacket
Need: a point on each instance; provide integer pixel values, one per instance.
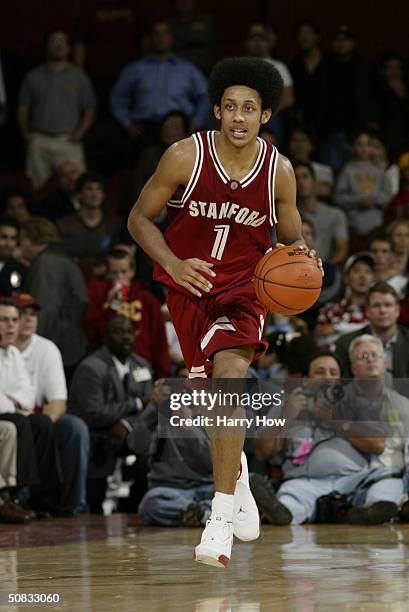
(109, 390)
(382, 308)
(12, 272)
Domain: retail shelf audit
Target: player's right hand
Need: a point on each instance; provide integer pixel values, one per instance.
(187, 273)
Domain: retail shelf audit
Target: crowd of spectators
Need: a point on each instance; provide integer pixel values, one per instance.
(85, 336)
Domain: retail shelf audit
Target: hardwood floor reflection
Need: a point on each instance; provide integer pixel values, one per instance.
(111, 564)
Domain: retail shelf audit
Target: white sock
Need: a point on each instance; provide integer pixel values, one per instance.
(222, 505)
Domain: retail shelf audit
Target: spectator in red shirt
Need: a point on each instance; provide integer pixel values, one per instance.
(348, 315)
(399, 206)
(121, 294)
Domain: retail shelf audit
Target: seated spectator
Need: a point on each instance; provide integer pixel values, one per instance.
(58, 286)
(307, 70)
(15, 202)
(379, 157)
(180, 478)
(63, 200)
(194, 34)
(174, 127)
(53, 119)
(121, 294)
(398, 232)
(321, 453)
(12, 271)
(35, 449)
(382, 310)
(331, 230)
(108, 391)
(380, 247)
(149, 88)
(272, 363)
(88, 234)
(362, 189)
(300, 148)
(399, 206)
(44, 365)
(9, 512)
(349, 314)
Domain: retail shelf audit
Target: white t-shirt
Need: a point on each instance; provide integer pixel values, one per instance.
(43, 362)
(14, 381)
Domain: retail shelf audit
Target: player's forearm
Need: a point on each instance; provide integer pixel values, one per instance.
(151, 239)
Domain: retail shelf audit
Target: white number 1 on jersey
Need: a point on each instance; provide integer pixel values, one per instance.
(222, 231)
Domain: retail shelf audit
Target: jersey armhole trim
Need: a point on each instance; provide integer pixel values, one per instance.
(271, 185)
(197, 168)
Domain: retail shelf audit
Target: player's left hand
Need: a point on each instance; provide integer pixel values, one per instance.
(302, 248)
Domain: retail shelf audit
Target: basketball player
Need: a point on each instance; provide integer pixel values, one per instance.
(236, 188)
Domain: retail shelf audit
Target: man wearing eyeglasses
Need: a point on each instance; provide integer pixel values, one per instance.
(382, 309)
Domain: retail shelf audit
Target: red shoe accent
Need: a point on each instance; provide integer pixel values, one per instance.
(224, 560)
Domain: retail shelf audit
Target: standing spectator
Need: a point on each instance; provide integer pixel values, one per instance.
(399, 206)
(392, 100)
(149, 88)
(382, 310)
(45, 368)
(330, 224)
(58, 286)
(300, 148)
(108, 392)
(63, 200)
(349, 314)
(307, 70)
(398, 232)
(343, 103)
(89, 233)
(56, 109)
(194, 34)
(121, 294)
(380, 246)
(15, 202)
(12, 271)
(362, 189)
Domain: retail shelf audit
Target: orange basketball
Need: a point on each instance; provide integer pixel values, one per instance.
(287, 282)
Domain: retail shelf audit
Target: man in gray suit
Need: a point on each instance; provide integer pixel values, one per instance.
(109, 390)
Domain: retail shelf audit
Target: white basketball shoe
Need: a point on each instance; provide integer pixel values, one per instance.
(215, 545)
(246, 519)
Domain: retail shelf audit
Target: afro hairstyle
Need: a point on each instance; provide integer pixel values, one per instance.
(253, 72)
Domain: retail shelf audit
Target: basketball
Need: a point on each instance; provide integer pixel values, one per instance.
(287, 282)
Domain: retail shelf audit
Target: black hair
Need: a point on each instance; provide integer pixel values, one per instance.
(12, 191)
(9, 221)
(300, 164)
(311, 225)
(322, 353)
(253, 72)
(89, 177)
(303, 130)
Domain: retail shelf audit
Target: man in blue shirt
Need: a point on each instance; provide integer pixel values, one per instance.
(149, 88)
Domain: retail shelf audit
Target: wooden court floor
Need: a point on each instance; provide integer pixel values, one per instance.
(110, 564)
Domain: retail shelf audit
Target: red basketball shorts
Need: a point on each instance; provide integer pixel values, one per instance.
(210, 324)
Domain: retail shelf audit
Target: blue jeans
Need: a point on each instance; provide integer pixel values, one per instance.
(73, 446)
(299, 495)
(165, 505)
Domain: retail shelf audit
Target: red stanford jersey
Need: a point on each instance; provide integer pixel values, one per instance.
(221, 220)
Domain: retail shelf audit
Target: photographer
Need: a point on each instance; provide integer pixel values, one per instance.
(321, 452)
